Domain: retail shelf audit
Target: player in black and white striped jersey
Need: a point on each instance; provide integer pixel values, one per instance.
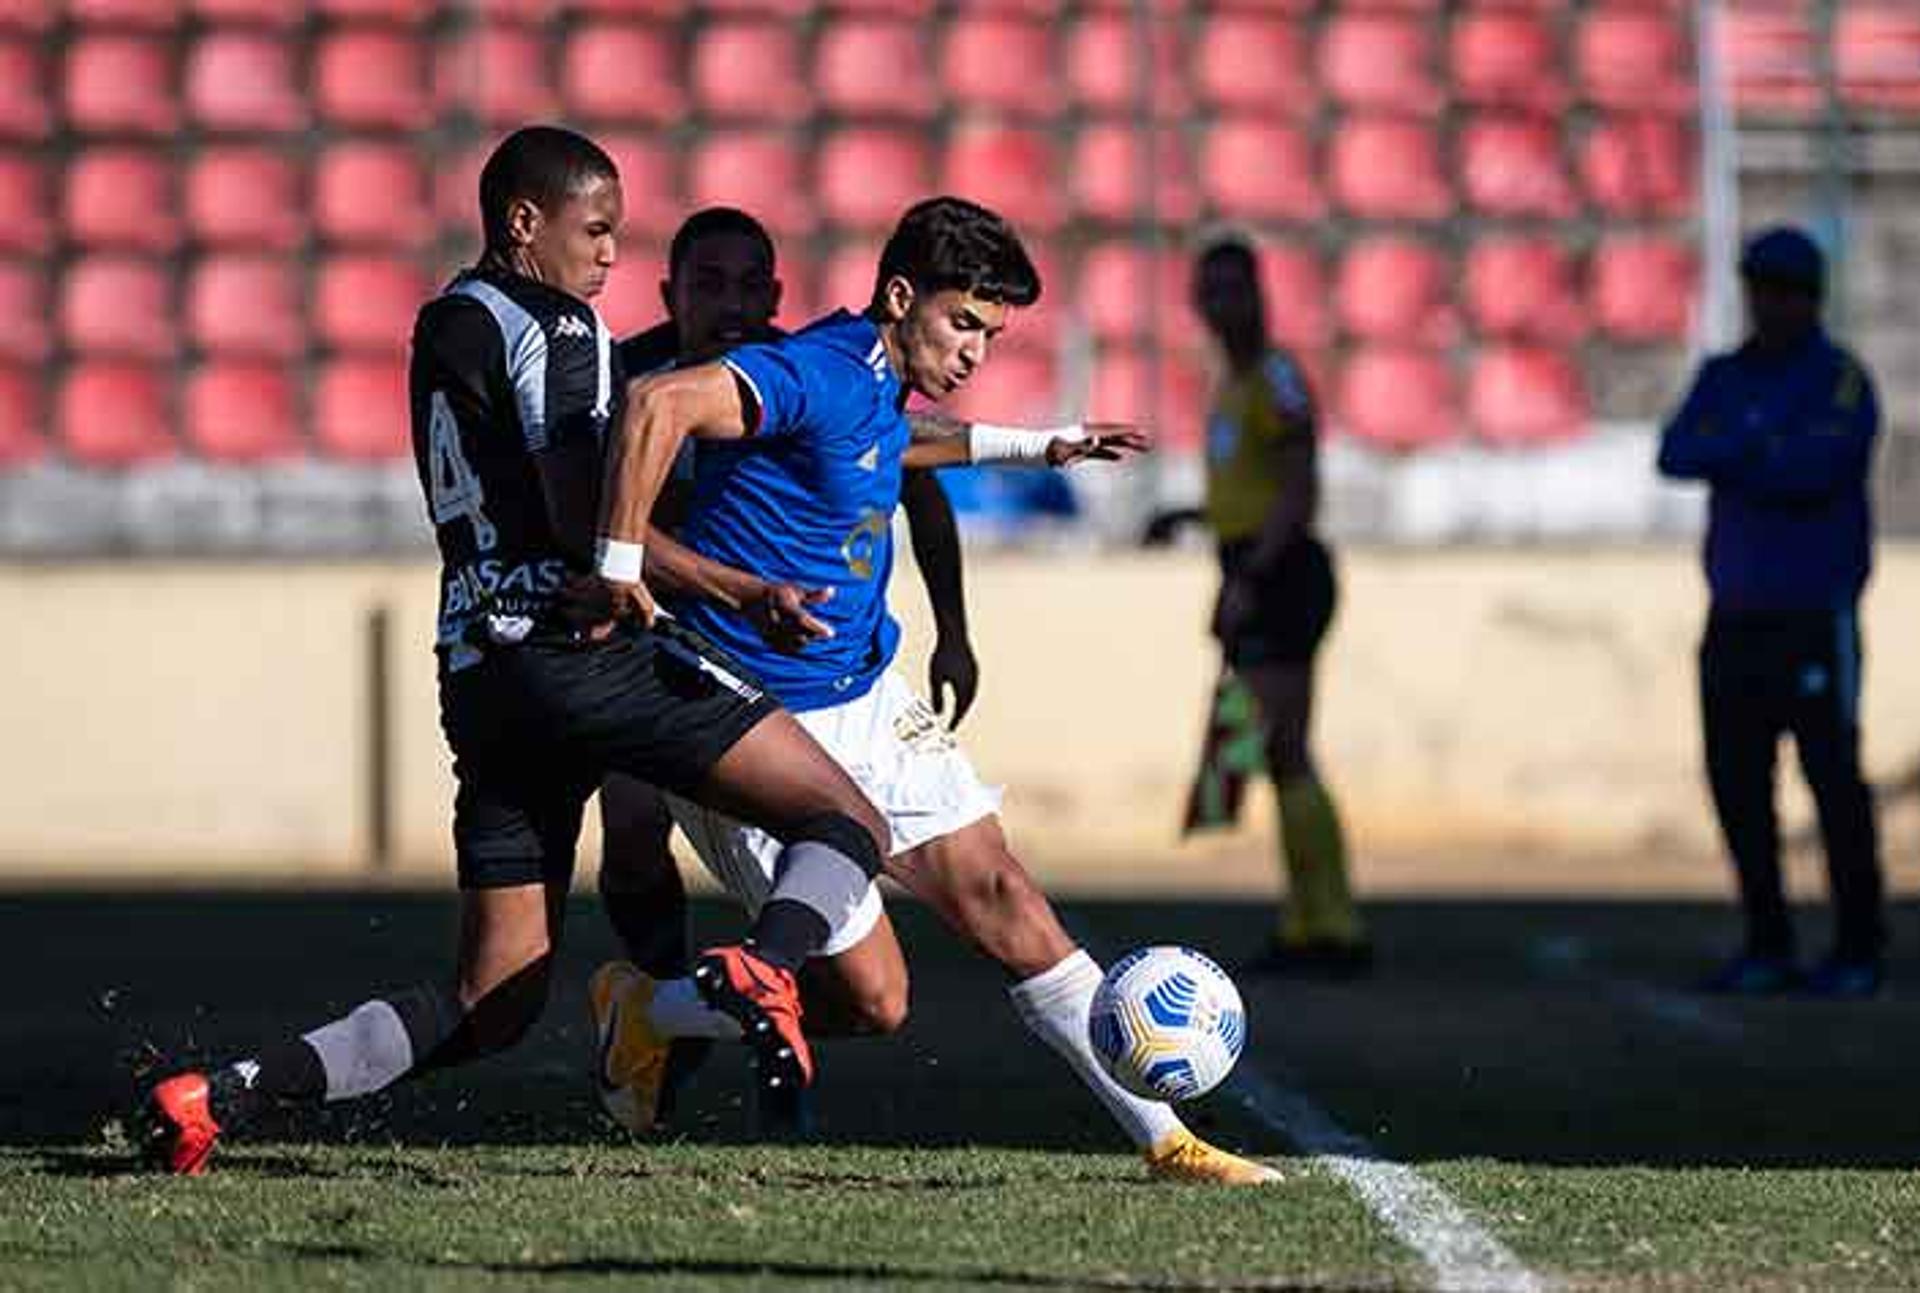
(514, 389)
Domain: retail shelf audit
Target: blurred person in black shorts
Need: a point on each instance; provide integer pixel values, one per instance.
(1781, 430)
(1277, 597)
(723, 289)
(554, 673)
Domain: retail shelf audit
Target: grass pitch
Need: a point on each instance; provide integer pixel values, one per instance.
(1537, 1062)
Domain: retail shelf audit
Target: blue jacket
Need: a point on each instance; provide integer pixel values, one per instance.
(1785, 443)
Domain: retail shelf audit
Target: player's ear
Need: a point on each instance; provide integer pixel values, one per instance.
(524, 219)
(896, 297)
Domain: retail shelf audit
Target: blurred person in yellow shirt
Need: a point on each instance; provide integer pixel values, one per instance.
(1277, 597)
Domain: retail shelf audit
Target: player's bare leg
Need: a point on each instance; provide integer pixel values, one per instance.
(1321, 929)
(980, 888)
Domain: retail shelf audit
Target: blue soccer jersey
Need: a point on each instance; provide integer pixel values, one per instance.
(808, 499)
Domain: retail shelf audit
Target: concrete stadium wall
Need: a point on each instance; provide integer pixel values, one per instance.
(1510, 719)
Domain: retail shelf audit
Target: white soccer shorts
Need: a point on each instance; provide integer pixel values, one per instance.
(901, 755)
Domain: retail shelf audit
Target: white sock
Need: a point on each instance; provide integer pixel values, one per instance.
(1054, 1005)
(364, 1052)
(678, 1011)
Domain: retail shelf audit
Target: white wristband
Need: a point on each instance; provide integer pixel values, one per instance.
(989, 443)
(617, 561)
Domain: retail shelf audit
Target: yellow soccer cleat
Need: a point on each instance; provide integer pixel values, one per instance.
(630, 1058)
(1184, 1157)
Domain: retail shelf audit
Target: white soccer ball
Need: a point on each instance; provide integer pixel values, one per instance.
(1167, 1023)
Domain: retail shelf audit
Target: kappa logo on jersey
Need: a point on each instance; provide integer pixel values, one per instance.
(569, 326)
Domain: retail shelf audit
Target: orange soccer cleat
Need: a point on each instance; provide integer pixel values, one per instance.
(180, 1130)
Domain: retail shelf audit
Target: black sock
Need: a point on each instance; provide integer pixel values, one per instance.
(288, 1070)
(788, 932)
(652, 927)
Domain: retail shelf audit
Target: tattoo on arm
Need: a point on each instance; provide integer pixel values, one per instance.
(930, 426)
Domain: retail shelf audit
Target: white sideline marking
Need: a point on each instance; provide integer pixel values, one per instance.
(1463, 1256)
(1566, 955)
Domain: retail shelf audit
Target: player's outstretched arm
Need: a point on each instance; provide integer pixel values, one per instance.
(942, 441)
(661, 412)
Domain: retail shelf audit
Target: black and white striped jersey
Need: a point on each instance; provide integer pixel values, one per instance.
(504, 369)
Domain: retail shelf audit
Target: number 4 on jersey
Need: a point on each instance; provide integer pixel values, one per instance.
(453, 487)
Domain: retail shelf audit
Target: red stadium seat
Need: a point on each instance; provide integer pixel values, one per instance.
(1633, 56)
(763, 8)
(1526, 395)
(247, 305)
(1643, 287)
(1109, 174)
(1103, 66)
(116, 305)
(1002, 63)
(23, 437)
(1876, 55)
(156, 15)
(395, 11)
(1295, 288)
(120, 84)
(1769, 53)
(750, 71)
(1389, 168)
(456, 188)
(242, 413)
(759, 171)
(1503, 58)
(368, 302)
(24, 333)
(1397, 397)
(1519, 286)
(371, 194)
(1378, 60)
(24, 204)
(1253, 63)
(1019, 384)
(889, 8)
(245, 197)
(623, 72)
(122, 197)
(1512, 166)
(116, 414)
(871, 67)
(498, 73)
(1122, 392)
(846, 277)
(631, 8)
(244, 81)
(1013, 171)
(868, 176)
(1124, 290)
(249, 13)
(1256, 170)
(649, 182)
(1396, 289)
(25, 100)
(360, 410)
(1640, 165)
(28, 15)
(371, 77)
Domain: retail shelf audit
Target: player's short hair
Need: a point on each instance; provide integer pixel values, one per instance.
(949, 242)
(1230, 245)
(544, 165)
(707, 222)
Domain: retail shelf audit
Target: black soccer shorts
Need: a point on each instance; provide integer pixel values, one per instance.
(534, 728)
(1295, 607)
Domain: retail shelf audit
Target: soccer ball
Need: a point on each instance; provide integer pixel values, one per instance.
(1167, 1023)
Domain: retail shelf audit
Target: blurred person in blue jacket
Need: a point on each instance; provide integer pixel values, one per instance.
(1782, 431)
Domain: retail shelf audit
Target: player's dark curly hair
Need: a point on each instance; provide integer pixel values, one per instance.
(950, 242)
(708, 221)
(543, 164)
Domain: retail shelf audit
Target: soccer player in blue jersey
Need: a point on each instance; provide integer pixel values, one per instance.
(723, 289)
(803, 444)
